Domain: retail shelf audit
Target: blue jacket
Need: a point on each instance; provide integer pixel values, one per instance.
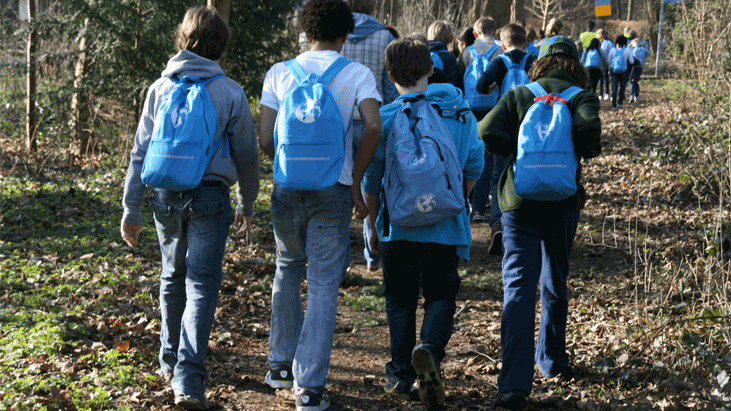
(471, 152)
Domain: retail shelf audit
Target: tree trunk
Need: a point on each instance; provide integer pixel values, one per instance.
(223, 7)
(31, 84)
(630, 9)
(80, 102)
(517, 12)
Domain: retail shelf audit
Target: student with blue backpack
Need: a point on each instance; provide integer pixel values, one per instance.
(594, 62)
(639, 53)
(307, 108)
(505, 73)
(605, 45)
(620, 61)
(422, 226)
(194, 141)
(440, 34)
(545, 128)
(474, 61)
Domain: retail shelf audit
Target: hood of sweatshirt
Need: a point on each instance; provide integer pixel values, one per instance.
(364, 26)
(187, 63)
(449, 98)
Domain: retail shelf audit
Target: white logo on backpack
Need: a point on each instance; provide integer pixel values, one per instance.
(543, 130)
(308, 112)
(426, 203)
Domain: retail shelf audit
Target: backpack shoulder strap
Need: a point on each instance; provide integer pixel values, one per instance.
(333, 70)
(472, 51)
(570, 92)
(506, 59)
(524, 61)
(536, 89)
(492, 50)
(296, 70)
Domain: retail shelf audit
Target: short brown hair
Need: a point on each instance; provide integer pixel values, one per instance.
(203, 32)
(485, 26)
(513, 35)
(442, 31)
(408, 60)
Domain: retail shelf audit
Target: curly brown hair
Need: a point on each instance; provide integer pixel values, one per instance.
(562, 62)
(327, 20)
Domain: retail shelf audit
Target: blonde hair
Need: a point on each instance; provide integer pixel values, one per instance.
(203, 32)
(442, 31)
(362, 6)
(554, 27)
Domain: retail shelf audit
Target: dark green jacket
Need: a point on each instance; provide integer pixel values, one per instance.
(499, 131)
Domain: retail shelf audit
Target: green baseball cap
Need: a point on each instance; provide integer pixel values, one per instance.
(558, 45)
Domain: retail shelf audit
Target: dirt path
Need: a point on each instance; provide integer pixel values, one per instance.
(238, 359)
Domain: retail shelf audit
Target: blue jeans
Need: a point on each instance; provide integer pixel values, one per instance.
(371, 258)
(537, 247)
(192, 227)
(406, 266)
(311, 229)
(604, 82)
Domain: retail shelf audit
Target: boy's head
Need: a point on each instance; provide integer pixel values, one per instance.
(327, 20)
(554, 27)
(485, 27)
(621, 41)
(362, 6)
(601, 34)
(203, 32)
(442, 31)
(590, 25)
(513, 36)
(632, 33)
(408, 61)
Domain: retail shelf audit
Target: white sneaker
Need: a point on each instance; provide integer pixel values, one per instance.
(606, 97)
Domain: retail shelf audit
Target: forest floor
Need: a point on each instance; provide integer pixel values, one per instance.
(638, 214)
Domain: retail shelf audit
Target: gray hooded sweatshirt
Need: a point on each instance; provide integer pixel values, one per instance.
(234, 121)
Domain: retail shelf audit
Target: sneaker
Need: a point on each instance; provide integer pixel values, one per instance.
(402, 390)
(496, 241)
(431, 390)
(478, 217)
(280, 377)
(312, 401)
(375, 267)
(620, 106)
(606, 97)
(189, 403)
(637, 99)
(510, 400)
(614, 108)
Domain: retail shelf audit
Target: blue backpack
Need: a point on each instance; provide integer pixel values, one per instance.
(516, 75)
(422, 181)
(619, 61)
(478, 101)
(309, 135)
(532, 49)
(593, 59)
(436, 61)
(183, 138)
(546, 164)
(640, 54)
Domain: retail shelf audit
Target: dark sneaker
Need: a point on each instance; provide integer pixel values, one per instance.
(479, 217)
(190, 403)
(431, 390)
(280, 377)
(312, 401)
(402, 390)
(496, 240)
(510, 400)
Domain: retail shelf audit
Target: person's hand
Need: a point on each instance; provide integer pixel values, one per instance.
(130, 233)
(245, 223)
(373, 241)
(491, 88)
(361, 211)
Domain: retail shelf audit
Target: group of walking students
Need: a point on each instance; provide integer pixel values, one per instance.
(356, 121)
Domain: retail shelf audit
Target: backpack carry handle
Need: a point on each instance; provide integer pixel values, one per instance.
(327, 76)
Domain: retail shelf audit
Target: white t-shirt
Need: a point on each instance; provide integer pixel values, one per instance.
(350, 87)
